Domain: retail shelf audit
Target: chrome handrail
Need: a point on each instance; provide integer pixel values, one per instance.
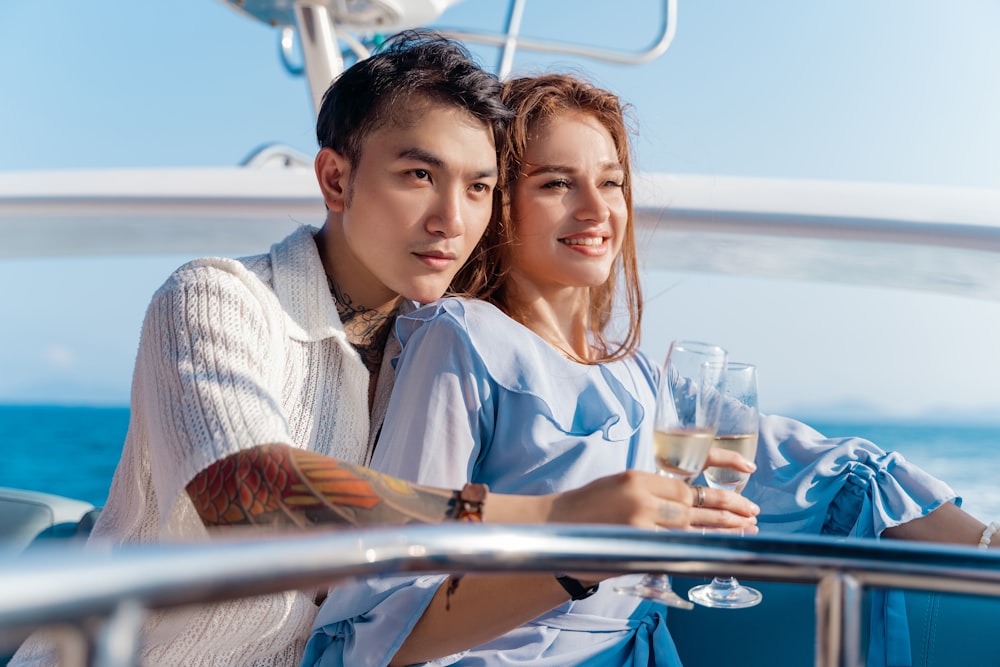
(62, 586)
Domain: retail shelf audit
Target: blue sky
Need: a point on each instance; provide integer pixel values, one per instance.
(900, 91)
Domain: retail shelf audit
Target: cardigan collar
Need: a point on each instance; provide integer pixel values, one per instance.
(300, 285)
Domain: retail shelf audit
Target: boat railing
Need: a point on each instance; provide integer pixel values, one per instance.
(97, 599)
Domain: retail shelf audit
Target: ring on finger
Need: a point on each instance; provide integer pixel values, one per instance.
(701, 495)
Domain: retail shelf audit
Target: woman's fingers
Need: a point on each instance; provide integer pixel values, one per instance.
(724, 458)
(719, 508)
(723, 519)
(721, 499)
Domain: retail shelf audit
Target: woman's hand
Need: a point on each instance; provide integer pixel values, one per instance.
(724, 458)
(721, 510)
(647, 500)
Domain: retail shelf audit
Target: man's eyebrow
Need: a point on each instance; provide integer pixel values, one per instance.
(421, 155)
(428, 158)
(487, 173)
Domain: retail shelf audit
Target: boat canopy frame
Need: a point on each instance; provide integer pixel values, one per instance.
(320, 26)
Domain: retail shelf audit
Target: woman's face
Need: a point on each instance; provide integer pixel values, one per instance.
(568, 206)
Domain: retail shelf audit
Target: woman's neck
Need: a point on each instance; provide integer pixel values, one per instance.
(563, 321)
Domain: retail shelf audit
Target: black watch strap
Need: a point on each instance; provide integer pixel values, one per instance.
(575, 588)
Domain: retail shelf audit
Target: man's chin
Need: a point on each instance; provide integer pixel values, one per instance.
(424, 294)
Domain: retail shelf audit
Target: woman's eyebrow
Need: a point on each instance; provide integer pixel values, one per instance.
(532, 170)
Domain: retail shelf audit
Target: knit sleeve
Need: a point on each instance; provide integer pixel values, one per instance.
(206, 374)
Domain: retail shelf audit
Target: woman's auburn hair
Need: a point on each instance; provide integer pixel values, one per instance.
(535, 101)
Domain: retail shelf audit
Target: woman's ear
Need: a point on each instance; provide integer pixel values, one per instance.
(333, 172)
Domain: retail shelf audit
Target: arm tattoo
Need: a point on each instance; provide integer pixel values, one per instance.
(278, 485)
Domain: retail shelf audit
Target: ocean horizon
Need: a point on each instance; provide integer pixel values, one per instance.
(73, 450)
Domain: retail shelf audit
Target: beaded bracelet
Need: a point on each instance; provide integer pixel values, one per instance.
(469, 502)
(468, 506)
(984, 541)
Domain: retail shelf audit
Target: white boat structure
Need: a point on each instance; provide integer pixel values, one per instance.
(927, 238)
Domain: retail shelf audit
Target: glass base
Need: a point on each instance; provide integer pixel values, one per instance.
(654, 587)
(725, 594)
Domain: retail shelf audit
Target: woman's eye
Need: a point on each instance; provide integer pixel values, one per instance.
(559, 183)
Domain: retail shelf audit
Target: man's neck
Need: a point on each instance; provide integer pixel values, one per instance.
(367, 325)
(364, 326)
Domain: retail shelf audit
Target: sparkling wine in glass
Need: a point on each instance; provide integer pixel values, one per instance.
(737, 431)
(687, 414)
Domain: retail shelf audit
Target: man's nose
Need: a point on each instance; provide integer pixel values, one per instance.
(445, 217)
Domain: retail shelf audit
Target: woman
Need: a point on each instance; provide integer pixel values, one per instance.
(527, 390)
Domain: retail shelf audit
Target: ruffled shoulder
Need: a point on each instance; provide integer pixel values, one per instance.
(578, 399)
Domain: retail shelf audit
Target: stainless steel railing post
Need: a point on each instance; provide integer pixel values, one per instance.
(120, 636)
(839, 596)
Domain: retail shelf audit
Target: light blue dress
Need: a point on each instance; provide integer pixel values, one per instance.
(846, 487)
(481, 398)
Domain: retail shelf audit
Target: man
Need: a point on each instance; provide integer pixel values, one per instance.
(260, 384)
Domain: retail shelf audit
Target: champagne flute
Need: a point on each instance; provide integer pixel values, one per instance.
(737, 432)
(687, 415)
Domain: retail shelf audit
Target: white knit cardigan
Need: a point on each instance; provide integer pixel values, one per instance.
(233, 354)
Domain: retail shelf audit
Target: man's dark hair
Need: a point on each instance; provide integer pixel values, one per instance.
(413, 64)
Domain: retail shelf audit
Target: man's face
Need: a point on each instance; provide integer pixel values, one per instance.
(415, 205)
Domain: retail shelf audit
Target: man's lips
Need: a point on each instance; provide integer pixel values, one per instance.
(437, 259)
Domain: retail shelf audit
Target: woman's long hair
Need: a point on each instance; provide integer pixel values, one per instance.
(534, 101)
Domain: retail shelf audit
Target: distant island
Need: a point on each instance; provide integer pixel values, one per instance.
(863, 412)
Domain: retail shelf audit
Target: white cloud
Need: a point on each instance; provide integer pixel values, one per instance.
(59, 356)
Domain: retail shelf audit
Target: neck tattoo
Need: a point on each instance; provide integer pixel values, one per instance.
(367, 328)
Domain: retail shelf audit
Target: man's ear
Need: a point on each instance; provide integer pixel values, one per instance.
(333, 172)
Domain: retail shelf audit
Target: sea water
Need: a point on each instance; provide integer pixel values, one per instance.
(68, 451)
(73, 451)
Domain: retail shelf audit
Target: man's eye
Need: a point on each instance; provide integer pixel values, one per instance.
(422, 174)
